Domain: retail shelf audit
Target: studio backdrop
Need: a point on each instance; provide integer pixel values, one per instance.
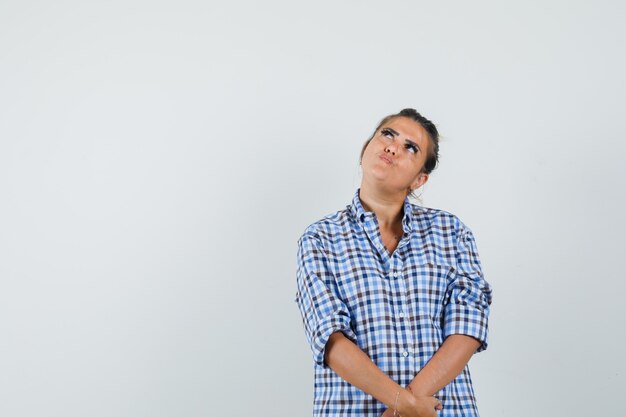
(159, 160)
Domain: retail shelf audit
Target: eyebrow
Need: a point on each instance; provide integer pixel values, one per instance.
(393, 132)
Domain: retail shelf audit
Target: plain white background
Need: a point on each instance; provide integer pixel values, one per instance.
(159, 160)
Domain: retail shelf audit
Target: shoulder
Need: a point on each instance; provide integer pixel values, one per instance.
(438, 219)
(329, 227)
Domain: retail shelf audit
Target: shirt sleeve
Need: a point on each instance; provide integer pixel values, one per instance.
(468, 294)
(323, 312)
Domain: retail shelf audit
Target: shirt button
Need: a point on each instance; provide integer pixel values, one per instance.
(405, 353)
(401, 315)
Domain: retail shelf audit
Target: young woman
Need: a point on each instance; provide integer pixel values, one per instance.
(392, 294)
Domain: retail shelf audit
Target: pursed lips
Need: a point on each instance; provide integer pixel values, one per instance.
(386, 159)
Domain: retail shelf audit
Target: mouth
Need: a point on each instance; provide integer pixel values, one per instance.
(386, 159)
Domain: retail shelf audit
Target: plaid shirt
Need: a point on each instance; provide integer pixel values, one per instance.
(397, 308)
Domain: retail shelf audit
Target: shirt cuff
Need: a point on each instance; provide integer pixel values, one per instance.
(462, 319)
(327, 326)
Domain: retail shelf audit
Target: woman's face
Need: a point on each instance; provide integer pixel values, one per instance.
(395, 156)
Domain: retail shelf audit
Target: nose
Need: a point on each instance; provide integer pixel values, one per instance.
(391, 148)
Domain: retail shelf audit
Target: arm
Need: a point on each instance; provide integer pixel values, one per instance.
(354, 366)
(445, 365)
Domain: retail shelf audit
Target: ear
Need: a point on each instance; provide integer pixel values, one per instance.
(420, 180)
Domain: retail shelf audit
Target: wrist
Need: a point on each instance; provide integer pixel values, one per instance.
(406, 401)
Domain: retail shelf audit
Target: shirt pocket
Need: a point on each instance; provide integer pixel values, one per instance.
(427, 286)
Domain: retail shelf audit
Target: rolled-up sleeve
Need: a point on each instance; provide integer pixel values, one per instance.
(323, 311)
(468, 295)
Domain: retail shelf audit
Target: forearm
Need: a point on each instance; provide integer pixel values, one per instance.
(354, 366)
(445, 365)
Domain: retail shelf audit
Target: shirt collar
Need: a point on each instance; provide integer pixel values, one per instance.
(361, 215)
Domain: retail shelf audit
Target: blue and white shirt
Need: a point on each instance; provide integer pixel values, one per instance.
(398, 308)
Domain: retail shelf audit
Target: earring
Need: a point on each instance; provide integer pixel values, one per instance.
(416, 196)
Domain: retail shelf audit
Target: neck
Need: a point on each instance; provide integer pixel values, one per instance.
(388, 207)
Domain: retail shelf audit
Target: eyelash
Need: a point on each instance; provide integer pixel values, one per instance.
(387, 133)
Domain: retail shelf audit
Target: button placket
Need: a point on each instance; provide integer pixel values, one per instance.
(402, 304)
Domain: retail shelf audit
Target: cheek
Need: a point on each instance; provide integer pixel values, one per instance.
(418, 161)
(369, 150)
(414, 170)
(422, 161)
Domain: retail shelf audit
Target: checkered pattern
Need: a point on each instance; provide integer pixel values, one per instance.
(398, 308)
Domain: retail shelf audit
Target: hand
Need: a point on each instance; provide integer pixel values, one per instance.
(439, 406)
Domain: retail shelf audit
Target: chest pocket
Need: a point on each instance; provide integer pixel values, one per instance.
(427, 286)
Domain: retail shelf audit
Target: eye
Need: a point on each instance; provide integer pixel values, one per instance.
(411, 148)
(387, 133)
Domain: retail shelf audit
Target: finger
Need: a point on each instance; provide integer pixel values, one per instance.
(437, 404)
